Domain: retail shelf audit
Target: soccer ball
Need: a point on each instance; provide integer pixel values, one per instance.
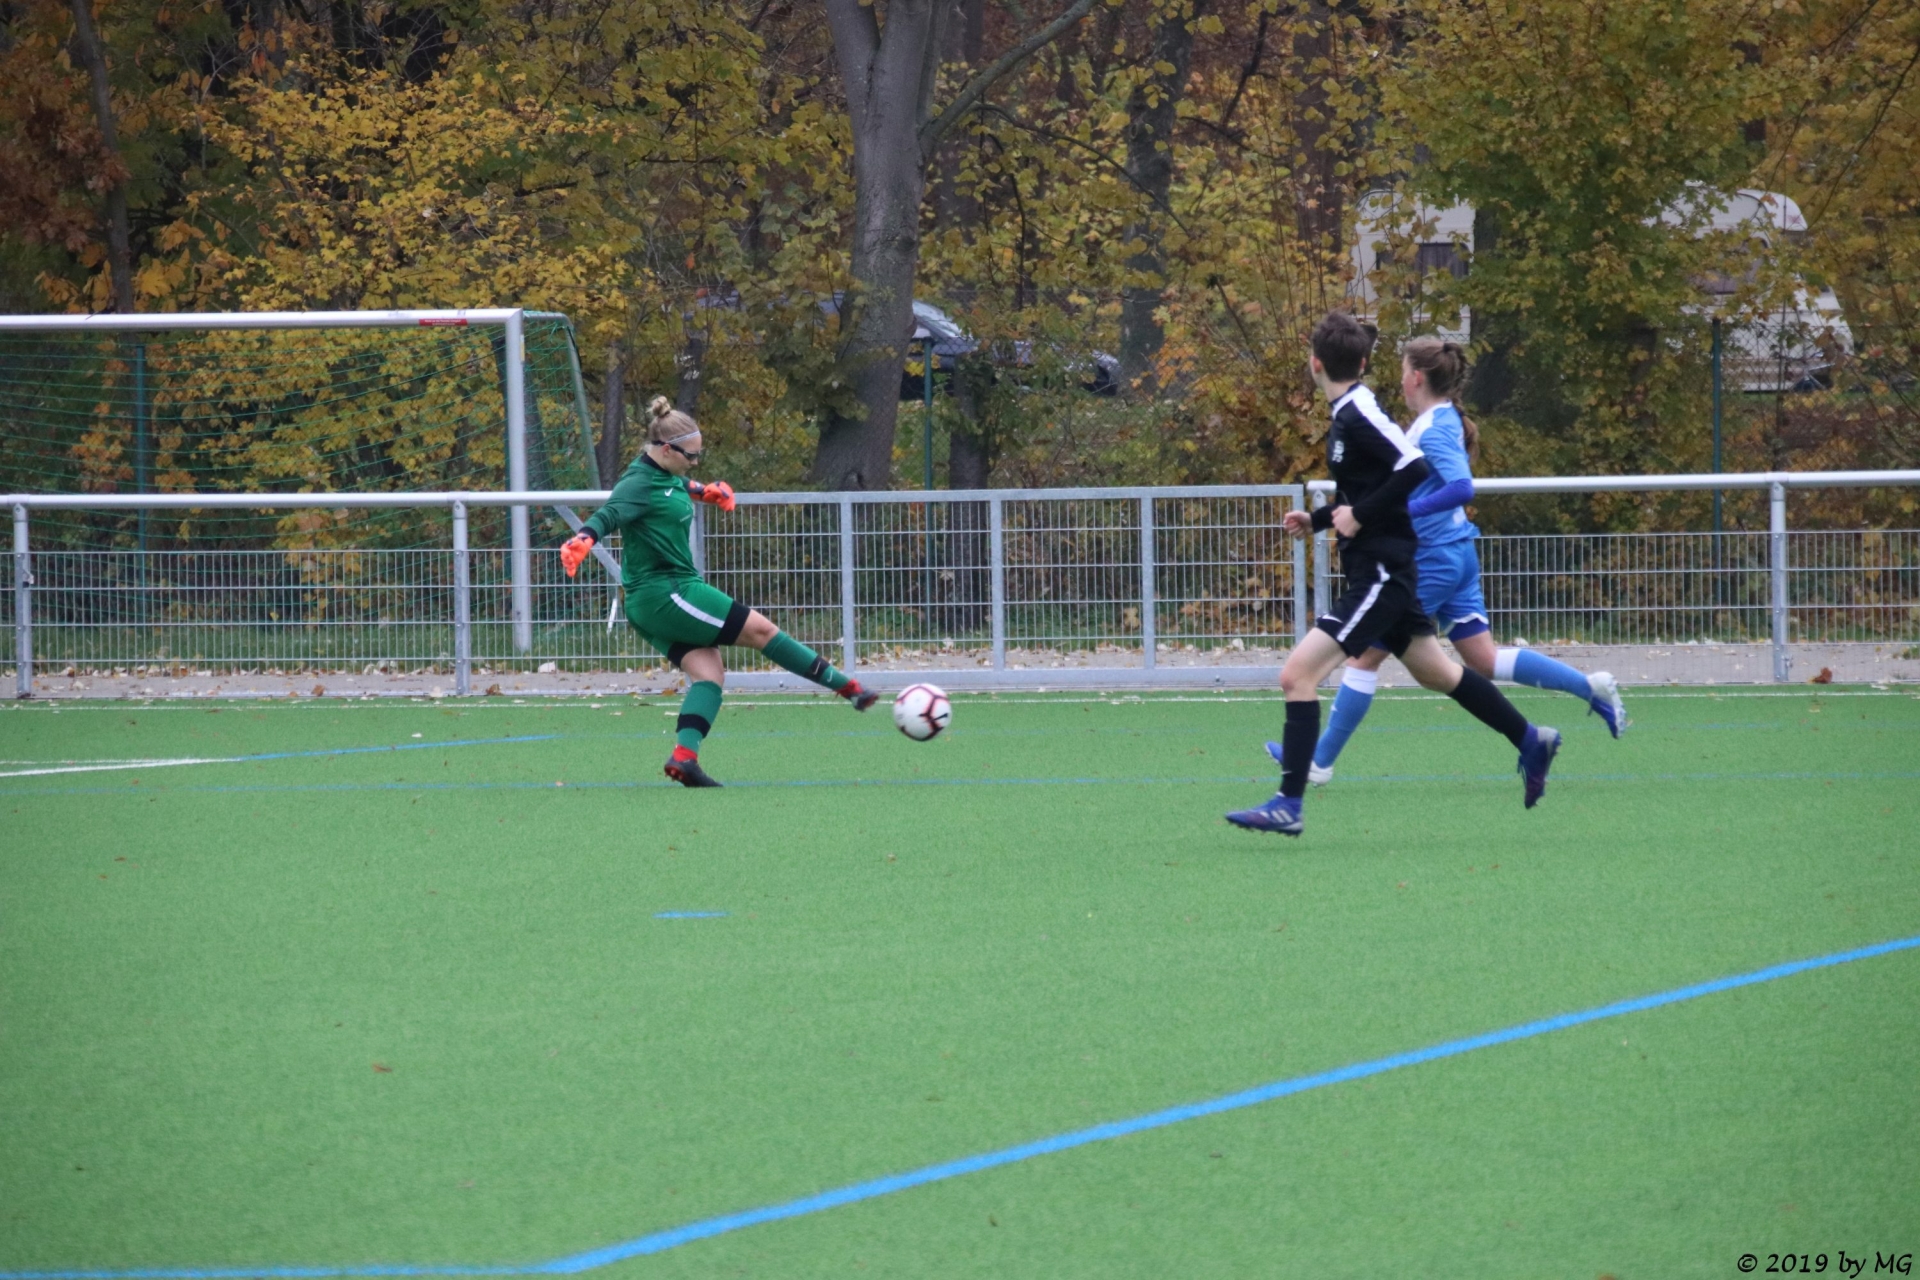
(921, 711)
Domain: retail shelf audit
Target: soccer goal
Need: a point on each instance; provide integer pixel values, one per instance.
(277, 402)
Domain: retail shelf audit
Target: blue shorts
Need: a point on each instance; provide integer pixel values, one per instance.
(1450, 589)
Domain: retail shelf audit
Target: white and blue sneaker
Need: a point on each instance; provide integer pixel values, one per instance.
(1604, 701)
(1280, 815)
(1316, 775)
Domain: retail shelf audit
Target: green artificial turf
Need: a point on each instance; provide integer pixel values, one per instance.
(420, 1007)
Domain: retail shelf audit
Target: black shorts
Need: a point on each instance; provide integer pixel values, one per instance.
(1381, 606)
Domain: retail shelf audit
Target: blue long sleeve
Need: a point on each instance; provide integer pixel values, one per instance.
(1454, 493)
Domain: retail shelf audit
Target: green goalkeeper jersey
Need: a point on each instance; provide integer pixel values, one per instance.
(653, 512)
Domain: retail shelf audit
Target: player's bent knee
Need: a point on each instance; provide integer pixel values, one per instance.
(757, 630)
(1298, 682)
(703, 664)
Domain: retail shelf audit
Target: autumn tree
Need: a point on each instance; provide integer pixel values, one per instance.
(890, 73)
(1841, 138)
(1590, 140)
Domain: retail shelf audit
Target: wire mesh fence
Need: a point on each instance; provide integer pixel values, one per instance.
(1226, 574)
(922, 581)
(1014, 582)
(1630, 588)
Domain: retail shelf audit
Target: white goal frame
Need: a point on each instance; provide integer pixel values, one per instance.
(511, 319)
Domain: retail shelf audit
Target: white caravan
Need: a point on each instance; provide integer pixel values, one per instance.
(1793, 348)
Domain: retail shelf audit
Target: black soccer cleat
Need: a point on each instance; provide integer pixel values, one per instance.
(687, 772)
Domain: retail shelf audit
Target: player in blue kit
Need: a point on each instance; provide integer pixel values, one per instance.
(1431, 373)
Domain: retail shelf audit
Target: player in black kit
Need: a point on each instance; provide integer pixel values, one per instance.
(1376, 468)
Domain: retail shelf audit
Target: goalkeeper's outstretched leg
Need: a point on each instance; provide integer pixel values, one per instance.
(707, 672)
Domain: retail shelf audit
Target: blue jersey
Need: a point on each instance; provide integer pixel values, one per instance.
(1437, 433)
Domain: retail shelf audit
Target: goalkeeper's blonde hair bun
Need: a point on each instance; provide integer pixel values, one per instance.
(668, 423)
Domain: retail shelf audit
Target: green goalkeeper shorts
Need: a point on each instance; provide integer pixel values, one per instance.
(679, 617)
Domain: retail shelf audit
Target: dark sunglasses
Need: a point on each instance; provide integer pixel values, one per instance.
(690, 457)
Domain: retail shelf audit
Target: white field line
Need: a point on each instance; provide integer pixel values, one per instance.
(120, 764)
(74, 760)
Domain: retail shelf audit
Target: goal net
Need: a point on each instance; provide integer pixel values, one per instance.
(181, 406)
(308, 406)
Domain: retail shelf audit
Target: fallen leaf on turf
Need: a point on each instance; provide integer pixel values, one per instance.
(1825, 676)
(383, 1068)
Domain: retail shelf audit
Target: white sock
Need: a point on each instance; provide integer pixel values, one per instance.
(1361, 681)
(1503, 660)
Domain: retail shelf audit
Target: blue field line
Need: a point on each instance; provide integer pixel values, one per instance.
(689, 915)
(660, 1241)
(631, 784)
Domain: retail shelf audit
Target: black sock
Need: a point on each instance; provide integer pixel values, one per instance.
(1490, 706)
(1297, 742)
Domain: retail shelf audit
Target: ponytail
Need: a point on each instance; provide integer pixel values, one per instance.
(1445, 366)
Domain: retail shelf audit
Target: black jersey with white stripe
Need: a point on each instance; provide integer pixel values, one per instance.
(1375, 468)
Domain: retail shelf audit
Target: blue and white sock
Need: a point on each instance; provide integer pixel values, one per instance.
(1349, 709)
(1524, 666)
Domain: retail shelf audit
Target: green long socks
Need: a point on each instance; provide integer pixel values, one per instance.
(697, 711)
(784, 651)
(702, 703)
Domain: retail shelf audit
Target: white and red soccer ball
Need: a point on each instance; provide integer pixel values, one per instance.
(921, 711)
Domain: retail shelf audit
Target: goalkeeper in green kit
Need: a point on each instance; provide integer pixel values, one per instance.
(668, 602)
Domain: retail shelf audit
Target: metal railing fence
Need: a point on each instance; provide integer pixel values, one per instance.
(987, 579)
(1091, 586)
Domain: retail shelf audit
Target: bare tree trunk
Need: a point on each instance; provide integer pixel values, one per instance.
(1490, 384)
(969, 455)
(970, 466)
(1151, 113)
(969, 460)
(613, 416)
(1322, 198)
(890, 75)
(965, 43)
(689, 366)
(87, 45)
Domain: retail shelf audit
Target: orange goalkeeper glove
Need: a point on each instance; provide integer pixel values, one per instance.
(718, 492)
(574, 551)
